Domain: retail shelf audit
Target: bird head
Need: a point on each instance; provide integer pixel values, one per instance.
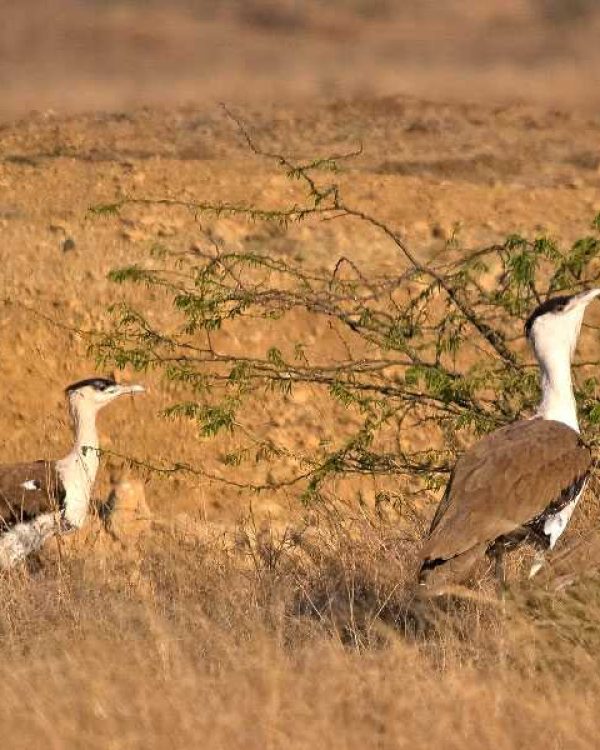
(554, 326)
(95, 393)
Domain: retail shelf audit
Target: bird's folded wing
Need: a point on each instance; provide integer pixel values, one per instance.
(504, 481)
(27, 490)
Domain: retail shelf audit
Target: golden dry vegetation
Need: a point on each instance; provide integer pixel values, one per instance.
(217, 628)
(216, 617)
(198, 643)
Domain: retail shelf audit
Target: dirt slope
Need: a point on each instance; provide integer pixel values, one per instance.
(425, 168)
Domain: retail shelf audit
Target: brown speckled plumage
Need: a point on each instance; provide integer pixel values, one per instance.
(17, 502)
(503, 483)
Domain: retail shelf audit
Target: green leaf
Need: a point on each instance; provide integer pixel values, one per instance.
(274, 357)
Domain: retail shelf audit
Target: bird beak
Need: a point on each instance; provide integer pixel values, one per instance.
(123, 390)
(584, 298)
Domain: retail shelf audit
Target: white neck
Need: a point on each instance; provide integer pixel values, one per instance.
(558, 399)
(86, 435)
(79, 468)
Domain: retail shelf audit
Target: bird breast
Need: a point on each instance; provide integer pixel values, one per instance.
(77, 473)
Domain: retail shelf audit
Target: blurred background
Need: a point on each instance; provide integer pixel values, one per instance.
(87, 54)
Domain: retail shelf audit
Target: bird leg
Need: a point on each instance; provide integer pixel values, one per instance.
(499, 569)
(497, 552)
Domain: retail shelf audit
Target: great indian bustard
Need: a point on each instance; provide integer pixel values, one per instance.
(41, 498)
(521, 482)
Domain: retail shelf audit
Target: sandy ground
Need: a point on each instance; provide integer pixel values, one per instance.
(482, 117)
(102, 99)
(110, 54)
(425, 168)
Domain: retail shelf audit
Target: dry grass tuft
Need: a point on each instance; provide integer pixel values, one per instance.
(311, 638)
(304, 639)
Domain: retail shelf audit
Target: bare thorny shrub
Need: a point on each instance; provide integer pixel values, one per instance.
(435, 346)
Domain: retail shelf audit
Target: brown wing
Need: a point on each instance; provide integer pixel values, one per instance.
(504, 481)
(27, 490)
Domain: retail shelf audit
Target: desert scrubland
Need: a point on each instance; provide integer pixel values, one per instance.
(213, 614)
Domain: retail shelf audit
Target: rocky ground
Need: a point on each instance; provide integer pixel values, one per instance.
(426, 168)
(170, 622)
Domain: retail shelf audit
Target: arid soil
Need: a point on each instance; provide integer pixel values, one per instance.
(93, 109)
(427, 169)
(185, 626)
(110, 54)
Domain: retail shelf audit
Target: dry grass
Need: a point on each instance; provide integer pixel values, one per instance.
(310, 641)
(254, 642)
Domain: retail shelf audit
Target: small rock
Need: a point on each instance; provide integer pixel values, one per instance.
(68, 244)
(439, 232)
(444, 231)
(134, 235)
(166, 231)
(58, 228)
(125, 512)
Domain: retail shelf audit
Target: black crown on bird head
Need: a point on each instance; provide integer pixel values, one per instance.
(99, 384)
(552, 305)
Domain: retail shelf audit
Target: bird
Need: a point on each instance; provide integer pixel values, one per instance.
(521, 482)
(42, 498)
